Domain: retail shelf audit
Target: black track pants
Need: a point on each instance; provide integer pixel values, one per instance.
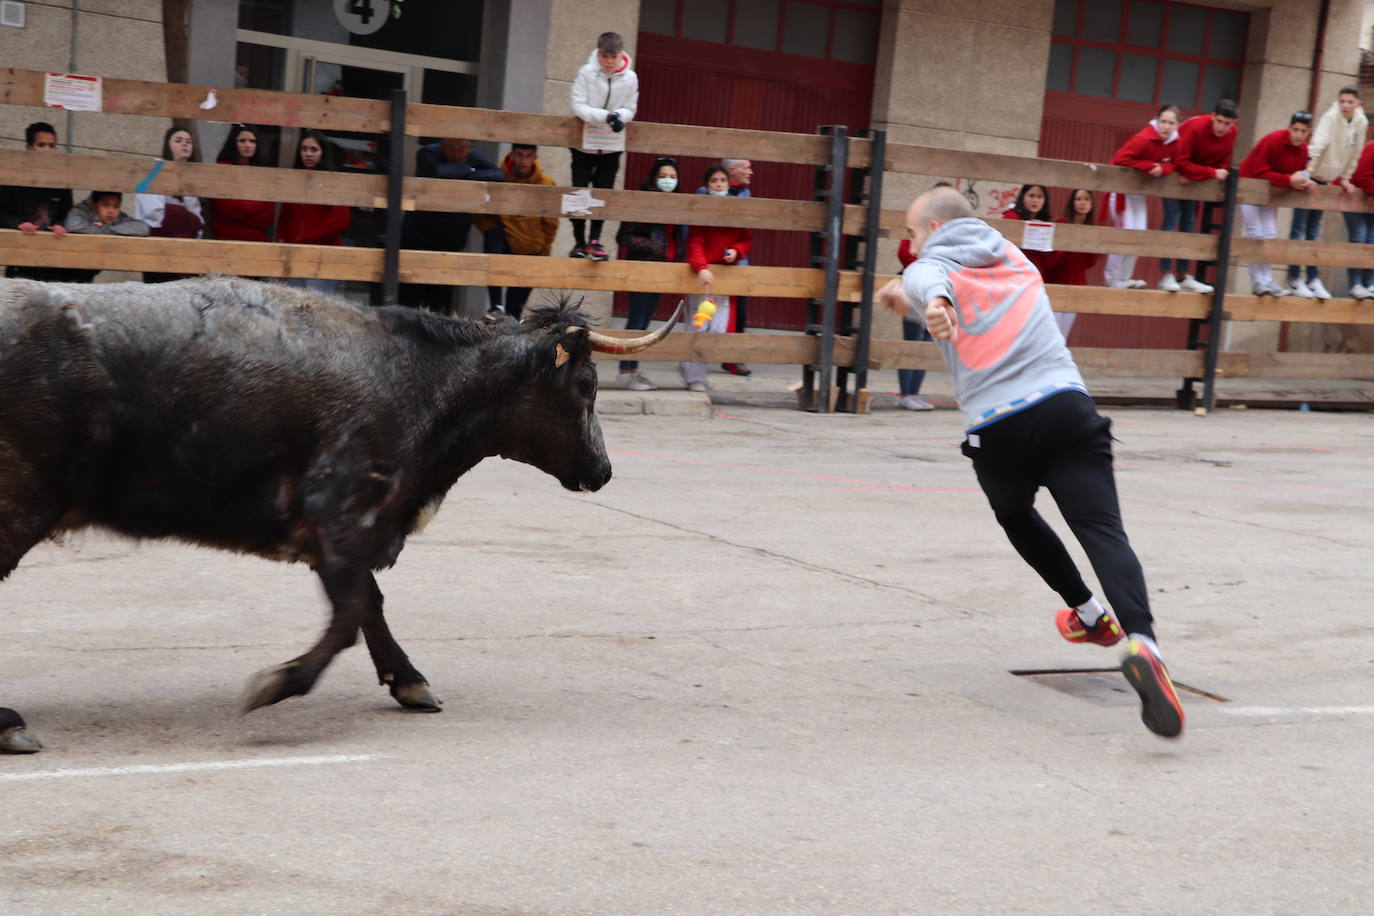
(1065, 445)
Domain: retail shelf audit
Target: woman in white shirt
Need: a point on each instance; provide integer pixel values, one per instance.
(167, 215)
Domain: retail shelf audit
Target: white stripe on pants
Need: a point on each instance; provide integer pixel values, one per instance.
(720, 321)
(1259, 224)
(1120, 267)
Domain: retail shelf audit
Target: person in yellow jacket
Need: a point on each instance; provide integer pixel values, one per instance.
(531, 235)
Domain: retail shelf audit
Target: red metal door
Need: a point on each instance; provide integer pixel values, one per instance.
(684, 81)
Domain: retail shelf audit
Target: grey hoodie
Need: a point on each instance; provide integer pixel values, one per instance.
(1008, 353)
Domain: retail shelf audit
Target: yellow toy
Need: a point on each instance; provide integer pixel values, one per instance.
(704, 313)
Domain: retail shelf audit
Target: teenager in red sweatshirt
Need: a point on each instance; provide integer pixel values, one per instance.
(314, 224)
(1150, 151)
(707, 245)
(1033, 203)
(242, 220)
(1205, 144)
(1362, 229)
(1281, 158)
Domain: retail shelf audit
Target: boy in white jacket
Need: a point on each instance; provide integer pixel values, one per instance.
(605, 95)
(1333, 151)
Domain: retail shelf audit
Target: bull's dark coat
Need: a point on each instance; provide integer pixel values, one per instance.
(275, 421)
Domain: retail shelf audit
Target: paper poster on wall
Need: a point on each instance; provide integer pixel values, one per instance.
(72, 92)
(1037, 236)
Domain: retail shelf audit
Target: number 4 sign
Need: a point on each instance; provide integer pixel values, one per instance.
(362, 17)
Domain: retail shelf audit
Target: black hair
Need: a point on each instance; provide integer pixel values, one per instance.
(229, 152)
(516, 146)
(38, 127)
(1300, 117)
(1164, 108)
(1227, 108)
(1349, 90)
(650, 182)
(1072, 215)
(117, 195)
(711, 170)
(327, 159)
(167, 143)
(1020, 206)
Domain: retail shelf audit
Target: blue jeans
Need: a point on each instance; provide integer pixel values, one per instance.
(909, 380)
(1180, 215)
(1307, 226)
(642, 307)
(1360, 227)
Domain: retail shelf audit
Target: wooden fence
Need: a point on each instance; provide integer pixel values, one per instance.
(397, 195)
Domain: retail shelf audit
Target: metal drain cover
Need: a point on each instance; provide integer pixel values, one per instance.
(1104, 686)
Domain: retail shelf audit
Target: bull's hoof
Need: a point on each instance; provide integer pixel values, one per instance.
(417, 697)
(272, 685)
(14, 739)
(17, 740)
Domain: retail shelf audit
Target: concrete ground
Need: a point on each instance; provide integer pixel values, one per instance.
(765, 671)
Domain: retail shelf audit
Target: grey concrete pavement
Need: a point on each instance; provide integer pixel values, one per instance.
(765, 671)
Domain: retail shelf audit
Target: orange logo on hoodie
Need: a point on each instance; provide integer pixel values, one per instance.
(994, 305)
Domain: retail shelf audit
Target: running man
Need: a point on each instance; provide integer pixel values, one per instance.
(1031, 424)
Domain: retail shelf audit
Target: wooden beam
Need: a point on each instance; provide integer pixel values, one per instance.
(1289, 308)
(1055, 173)
(1317, 254)
(1310, 365)
(1323, 197)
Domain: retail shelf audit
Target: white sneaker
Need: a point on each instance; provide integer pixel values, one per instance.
(912, 402)
(640, 382)
(1169, 283)
(1317, 290)
(1191, 285)
(1136, 284)
(696, 386)
(1278, 292)
(1261, 289)
(1122, 284)
(1299, 288)
(1360, 292)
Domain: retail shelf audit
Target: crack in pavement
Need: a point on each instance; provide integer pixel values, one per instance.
(793, 561)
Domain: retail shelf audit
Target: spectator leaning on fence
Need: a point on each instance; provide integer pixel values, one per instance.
(1280, 157)
(649, 242)
(169, 215)
(235, 219)
(1362, 227)
(432, 230)
(741, 172)
(1071, 269)
(99, 214)
(1205, 143)
(314, 224)
(34, 210)
(1150, 151)
(707, 245)
(527, 235)
(605, 95)
(1332, 153)
(1033, 203)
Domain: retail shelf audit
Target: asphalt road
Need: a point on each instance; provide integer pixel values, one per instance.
(765, 671)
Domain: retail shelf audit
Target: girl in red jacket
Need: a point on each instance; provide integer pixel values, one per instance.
(1280, 157)
(1361, 225)
(1033, 203)
(314, 224)
(708, 245)
(1071, 269)
(242, 220)
(1150, 151)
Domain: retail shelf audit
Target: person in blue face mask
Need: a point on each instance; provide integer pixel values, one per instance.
(649, 242)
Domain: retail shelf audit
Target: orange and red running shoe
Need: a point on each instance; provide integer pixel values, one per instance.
(1106, 632)
(1160, 709)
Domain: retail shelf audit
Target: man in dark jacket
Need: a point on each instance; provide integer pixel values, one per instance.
(437, 231)
(35, 210)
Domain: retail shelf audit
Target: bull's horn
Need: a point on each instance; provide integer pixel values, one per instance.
(605, 343)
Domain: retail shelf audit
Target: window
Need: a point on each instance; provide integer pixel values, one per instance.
(839, 30)
(1149, 51)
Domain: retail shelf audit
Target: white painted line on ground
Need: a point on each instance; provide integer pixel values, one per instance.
(190, 767)
(1298, 710)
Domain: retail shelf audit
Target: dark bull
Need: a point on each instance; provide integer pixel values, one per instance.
(284, 423)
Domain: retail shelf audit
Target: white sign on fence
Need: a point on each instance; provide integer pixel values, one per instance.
(72, 92)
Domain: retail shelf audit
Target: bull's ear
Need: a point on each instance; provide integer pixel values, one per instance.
(571, 345)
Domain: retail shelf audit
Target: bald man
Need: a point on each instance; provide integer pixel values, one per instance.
(1030, 424)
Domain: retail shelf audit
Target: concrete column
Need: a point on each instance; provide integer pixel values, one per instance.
(212, 53)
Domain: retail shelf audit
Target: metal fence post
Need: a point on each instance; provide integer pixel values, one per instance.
(818, 380)
(872, 228)
(1218, 313)
(395, 183)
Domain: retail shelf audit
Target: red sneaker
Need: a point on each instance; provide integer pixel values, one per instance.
(1160, 709)
(1105, 632)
